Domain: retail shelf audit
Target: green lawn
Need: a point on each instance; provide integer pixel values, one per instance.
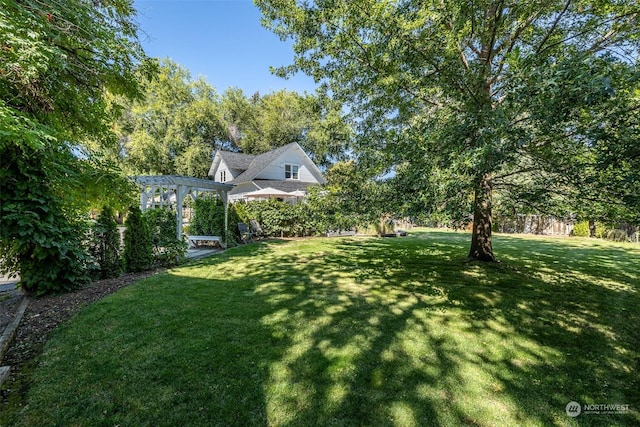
(357, 331)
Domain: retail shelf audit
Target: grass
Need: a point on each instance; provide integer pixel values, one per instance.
(350, 332)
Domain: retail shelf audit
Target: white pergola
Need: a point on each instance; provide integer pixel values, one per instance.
(154, 187)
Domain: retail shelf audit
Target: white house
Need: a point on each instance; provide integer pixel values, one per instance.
(288, 169)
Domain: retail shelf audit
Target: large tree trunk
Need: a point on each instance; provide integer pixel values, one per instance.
(481, 249)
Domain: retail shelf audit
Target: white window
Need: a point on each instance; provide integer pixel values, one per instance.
(223, 176)
(291, 172)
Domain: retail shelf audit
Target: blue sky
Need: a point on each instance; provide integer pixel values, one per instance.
(220, 40)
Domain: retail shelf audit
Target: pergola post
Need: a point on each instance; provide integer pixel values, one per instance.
(181, 193)
(225, 203)
(144, 198)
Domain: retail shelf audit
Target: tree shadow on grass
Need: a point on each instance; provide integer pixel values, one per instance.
(372, 332)
(406, 333)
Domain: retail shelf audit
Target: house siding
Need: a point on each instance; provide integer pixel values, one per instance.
(223, 168)
(275, 171)
(240, 190)
(249, 173)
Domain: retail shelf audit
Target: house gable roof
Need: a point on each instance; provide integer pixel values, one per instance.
(250, 166)
(236, 162)
(239, 161)
(260, 162)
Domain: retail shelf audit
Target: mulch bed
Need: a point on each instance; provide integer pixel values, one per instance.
(41, 317)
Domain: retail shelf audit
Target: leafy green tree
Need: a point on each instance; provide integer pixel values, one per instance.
(330, 136)
(138, 247)
(179, 123)
(57, 62)
(238, 116)
(174, 129)
(483, 96)
(283, 117)
(353, 198)
(105, 244)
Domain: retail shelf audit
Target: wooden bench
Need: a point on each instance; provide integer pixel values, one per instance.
(192, 240)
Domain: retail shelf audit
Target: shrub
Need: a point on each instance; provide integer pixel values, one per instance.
(278, 219)
(326, 210)
(105, 244)
(617, 235)
(208, 219)
(37, 239)
(602, 230)
(167, 249)
(581, 229)
(49, 255)
(138, 248)
(319, 213)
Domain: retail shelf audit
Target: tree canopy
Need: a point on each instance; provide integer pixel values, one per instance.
(180, 122)
(465, 98)
(58, 60)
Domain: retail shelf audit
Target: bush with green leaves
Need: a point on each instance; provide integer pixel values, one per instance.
(105, 245)
(208, 219)
(38, 240)
(602, 230)
(617, 235)
(581, 229)
(138, 247)
(321, 212)
(167, 249)
(329, 209)
(279, 219)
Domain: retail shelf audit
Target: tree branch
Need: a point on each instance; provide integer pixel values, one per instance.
(513, 39)
(595, 48)
(553, 27)
(600, 44)
(367, 61)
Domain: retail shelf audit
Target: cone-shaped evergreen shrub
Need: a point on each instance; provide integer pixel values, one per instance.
(138, 248)
(105, 244)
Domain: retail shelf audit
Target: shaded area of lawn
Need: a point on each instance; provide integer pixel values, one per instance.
(357, 332)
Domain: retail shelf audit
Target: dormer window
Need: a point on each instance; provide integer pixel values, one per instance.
(223, 176)
(291, 171)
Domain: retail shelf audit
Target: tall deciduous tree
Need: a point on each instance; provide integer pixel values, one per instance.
(282, 117)
(174, 128)
(179, 124)
(480, 93)
(57, 61)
